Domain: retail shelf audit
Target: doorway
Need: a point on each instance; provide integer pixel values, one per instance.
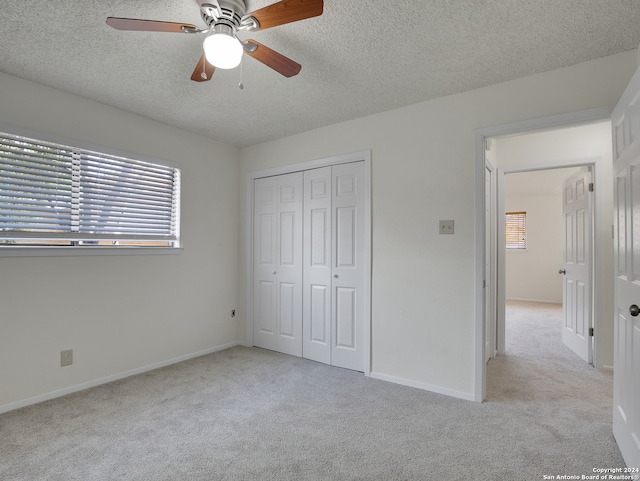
(537, 246)
(532, 146)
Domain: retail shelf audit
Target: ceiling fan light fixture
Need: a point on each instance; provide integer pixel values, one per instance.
(222, 49)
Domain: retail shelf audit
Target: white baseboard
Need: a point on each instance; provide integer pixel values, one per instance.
(545, 301)
(424, 386)
(114, 377)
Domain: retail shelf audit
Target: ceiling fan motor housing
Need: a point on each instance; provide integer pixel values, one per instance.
(222, 12)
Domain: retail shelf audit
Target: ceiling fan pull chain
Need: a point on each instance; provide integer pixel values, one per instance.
(240, 86)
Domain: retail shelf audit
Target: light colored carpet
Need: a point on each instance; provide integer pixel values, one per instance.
(251, 414)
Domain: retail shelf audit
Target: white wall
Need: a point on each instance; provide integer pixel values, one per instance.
(568, 147)
(118, 313)
(132, 312)
(423, 292)
(533, 274)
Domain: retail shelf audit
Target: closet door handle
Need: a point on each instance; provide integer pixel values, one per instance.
(274, 273)
(335, 275)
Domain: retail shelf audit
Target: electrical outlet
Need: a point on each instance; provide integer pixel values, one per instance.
(66, 358)
(233, 313)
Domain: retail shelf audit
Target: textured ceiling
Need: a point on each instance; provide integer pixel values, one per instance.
(358, 58)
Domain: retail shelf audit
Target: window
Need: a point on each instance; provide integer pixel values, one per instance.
(57, 195)
(516, 228)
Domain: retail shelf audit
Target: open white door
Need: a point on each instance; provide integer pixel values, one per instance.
(576, 269)
(626, 379)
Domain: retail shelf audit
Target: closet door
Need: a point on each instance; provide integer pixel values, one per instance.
(277, 244)
(265, 261)
(333, 267)
(316, 299)
(348, 260)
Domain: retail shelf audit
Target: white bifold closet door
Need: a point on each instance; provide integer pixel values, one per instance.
(309, 265)
(333, 266)
(278, 263)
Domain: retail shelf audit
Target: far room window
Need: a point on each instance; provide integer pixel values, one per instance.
(60, 195)
(516, 230)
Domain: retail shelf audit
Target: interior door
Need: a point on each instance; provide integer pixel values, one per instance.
(278, 263)
(348, 260)
(576, 269)
(626, 380)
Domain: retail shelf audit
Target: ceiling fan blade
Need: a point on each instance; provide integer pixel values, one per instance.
(203, 71)
(149, 25)
(286, 11)
(271, 58)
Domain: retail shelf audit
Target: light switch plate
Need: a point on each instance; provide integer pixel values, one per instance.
(446, 227)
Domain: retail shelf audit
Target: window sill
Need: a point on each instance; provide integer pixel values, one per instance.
(516, 251)
(63, 251)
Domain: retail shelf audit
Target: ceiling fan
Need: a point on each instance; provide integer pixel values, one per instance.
(224, 18)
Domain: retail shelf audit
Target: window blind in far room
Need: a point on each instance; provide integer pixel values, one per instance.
(52, 194)
(516, 230)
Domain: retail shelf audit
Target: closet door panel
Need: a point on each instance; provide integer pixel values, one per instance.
(287, 310)
(346, 237)
(319, 313)
(345, 318)
(348, 282)
(265, 260)
(316, 328)
(289, 265)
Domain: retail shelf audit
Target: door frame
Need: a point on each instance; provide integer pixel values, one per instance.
(360, 156)
(480, 137)
(491, 262)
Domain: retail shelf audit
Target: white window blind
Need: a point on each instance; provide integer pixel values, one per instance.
(51, 193)
(516, 230)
